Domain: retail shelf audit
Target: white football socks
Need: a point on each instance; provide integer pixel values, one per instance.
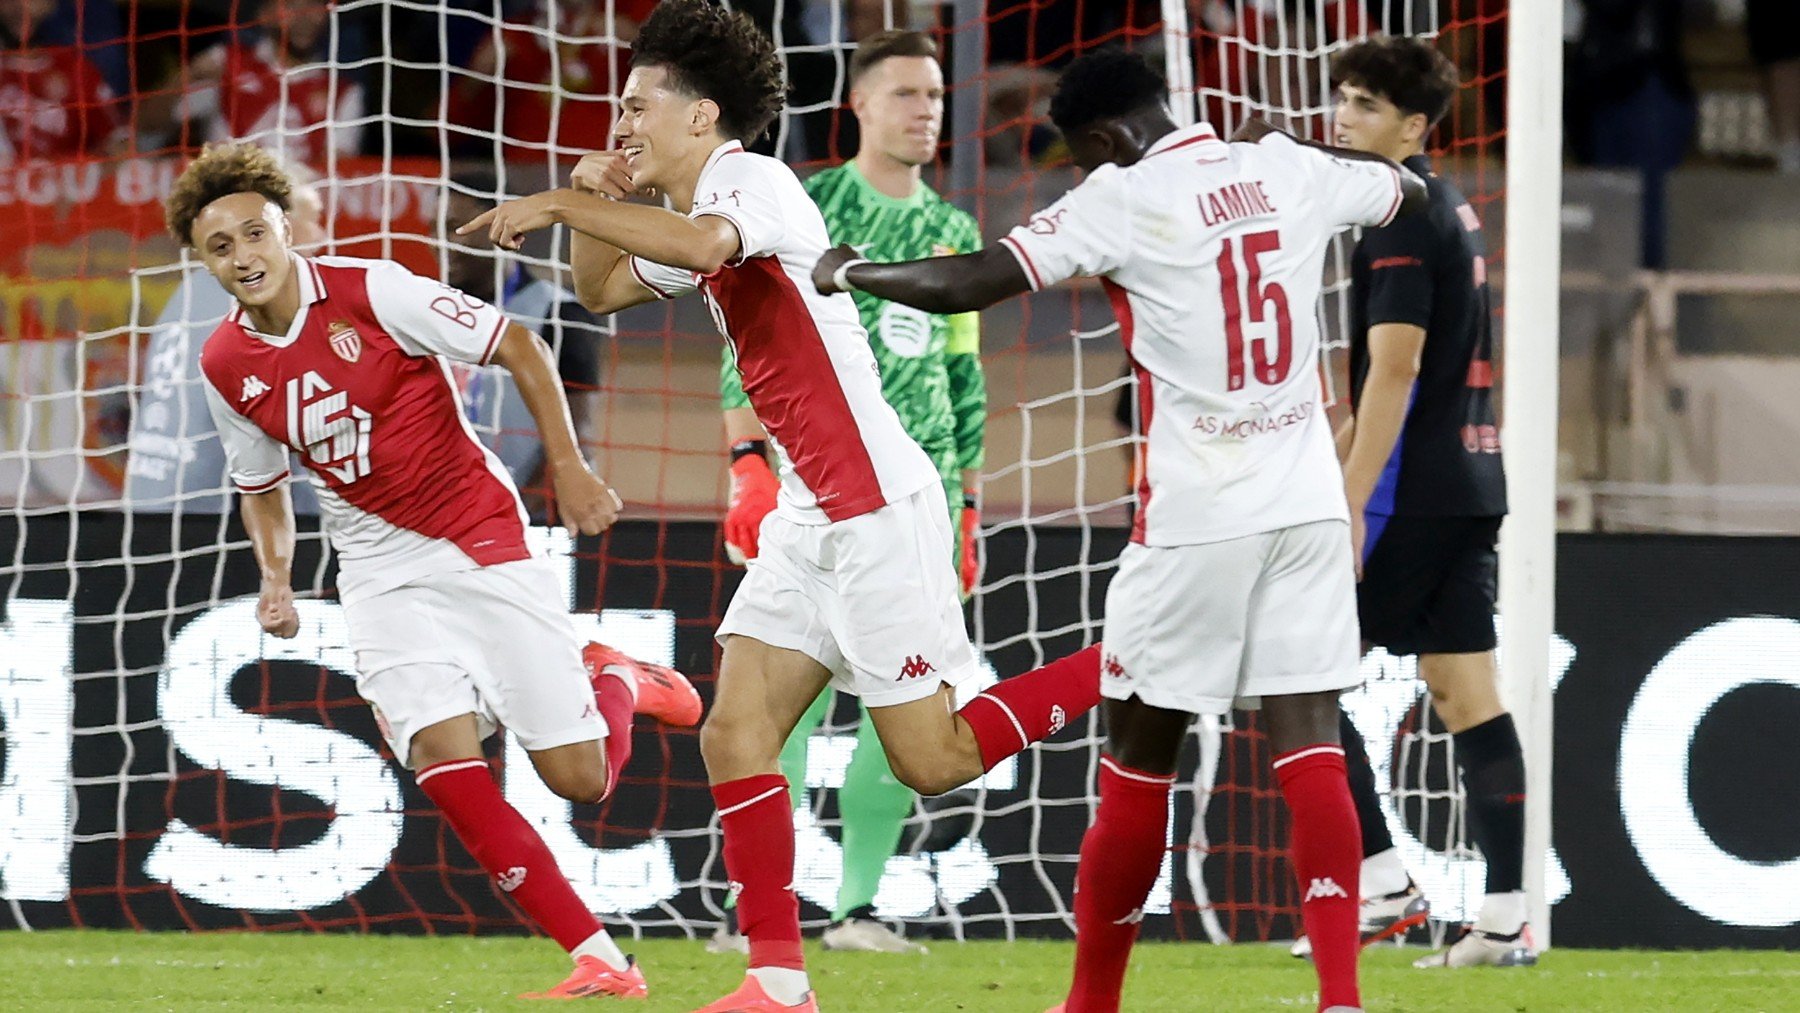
(1503, 914)
(600, 945)
(785, 985)
(1383, 873)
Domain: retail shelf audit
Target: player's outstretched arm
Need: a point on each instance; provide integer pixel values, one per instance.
(702, 244)
(971, 281)
(1414, 197)
(601, 271)
(584, 504)
(269, 521)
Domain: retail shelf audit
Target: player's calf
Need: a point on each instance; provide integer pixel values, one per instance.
(577, 772)
(934, 748)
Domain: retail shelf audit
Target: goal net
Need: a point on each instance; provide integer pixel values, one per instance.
(167, 766)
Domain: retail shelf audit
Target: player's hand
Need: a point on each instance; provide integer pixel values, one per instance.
(1255, 129)
(969, 569)
(507, 224)
(827, 266)
(607, 173)
(753, 491)
(584, 504)
(275, 611)
(1359, 533)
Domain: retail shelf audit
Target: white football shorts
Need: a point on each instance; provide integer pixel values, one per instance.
(874, 599)
(1203, 628)
(494, 641)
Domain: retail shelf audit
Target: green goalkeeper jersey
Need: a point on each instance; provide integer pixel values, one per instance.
(930, 363)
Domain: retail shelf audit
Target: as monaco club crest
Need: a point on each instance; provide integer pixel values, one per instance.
(344, 341)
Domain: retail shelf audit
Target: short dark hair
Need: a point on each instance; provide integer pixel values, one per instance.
(220, 171)
(1407, 71)
(1104, 85)
(871, 51)
(715, 54)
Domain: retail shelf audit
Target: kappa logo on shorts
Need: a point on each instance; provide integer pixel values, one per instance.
(511, 879)
(1058, 718)
(915, 667)
(1111, 668)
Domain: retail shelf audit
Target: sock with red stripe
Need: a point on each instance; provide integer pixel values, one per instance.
(1014, 713)
(1327, 849)
(758, 826)
(1120, 857)
(512, 852)
(616, 699)
(1493, 774)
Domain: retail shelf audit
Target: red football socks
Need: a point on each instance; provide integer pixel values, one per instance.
(613, 697)
(1120, 857)
(508, 848)
(1014, 713)
(757, 820)
(1327, 850)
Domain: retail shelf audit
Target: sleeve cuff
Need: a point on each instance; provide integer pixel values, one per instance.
(252, 488)
(638, 273)
(743, 252)
(1399, 195)
(1018, 251)
(493, 344)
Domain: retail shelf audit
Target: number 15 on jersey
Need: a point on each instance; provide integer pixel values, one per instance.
(1269, 359)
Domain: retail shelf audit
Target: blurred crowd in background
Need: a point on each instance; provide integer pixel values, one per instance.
(1650, 82)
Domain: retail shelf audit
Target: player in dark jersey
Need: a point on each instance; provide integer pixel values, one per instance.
(1423, 474)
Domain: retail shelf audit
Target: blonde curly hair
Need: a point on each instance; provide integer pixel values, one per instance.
(220, 171)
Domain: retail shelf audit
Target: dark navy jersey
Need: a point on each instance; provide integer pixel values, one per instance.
(1430, 271)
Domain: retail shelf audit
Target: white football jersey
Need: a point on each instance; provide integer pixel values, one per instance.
(804, 357)
(1212, 254)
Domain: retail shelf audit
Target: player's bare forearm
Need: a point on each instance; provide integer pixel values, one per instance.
(1394, 351)
(533, 369)
(1414, 197)
(584, 504)
(701, 244)
(602, 278)
(742, 424)
(269, 521)
(1343, 437)
(957, 284)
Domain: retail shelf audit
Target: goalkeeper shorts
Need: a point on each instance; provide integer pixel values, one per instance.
(1203, 628)
(870, 598)
(494, 641)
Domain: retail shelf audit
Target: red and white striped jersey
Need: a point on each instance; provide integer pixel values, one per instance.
(804, 357)
(1212, 254)
(359, 386)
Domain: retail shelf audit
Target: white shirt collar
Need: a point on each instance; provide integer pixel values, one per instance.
(1184, 135)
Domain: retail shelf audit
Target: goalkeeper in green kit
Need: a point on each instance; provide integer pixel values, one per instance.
(931, 375)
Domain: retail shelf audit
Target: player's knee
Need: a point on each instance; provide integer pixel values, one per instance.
(580, 785)
(730, 745)
(929, 775)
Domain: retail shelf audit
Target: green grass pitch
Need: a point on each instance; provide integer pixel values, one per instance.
(173, 971)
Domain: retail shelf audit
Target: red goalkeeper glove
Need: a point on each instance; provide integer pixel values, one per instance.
(753, 490)
(970, 570)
